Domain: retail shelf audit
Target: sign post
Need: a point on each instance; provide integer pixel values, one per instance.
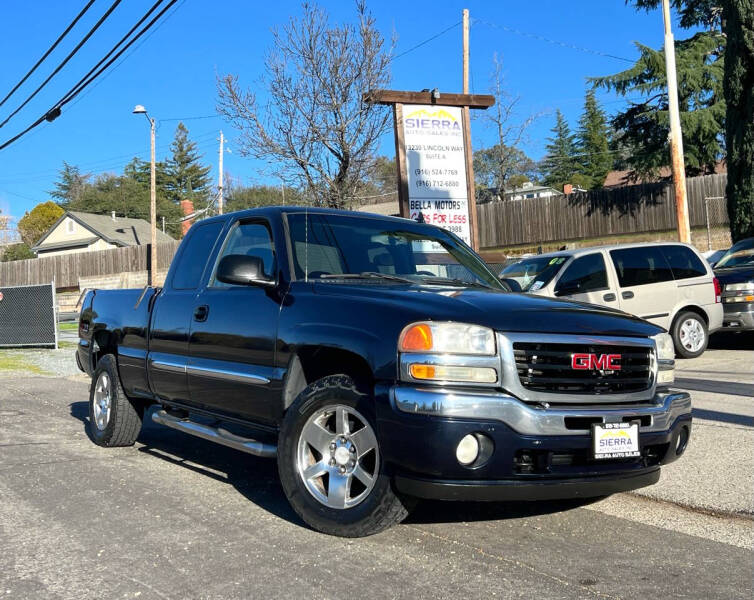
(434, 157)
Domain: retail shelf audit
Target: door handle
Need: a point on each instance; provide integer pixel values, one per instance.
(627, 295)
(609, 297)
(201, 312)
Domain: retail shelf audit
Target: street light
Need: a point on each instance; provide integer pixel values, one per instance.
(139, 109)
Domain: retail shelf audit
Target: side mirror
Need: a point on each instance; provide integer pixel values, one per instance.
(239, 269)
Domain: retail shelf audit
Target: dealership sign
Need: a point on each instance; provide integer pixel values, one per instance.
(436, 167)
(433, 156)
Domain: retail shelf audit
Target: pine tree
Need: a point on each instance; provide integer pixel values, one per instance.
(560, 165)
(187, 178)
(643, 127)
(739, 121)
(70, 185)
(592, 141)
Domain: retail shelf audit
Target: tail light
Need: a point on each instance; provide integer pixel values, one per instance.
(718, 289)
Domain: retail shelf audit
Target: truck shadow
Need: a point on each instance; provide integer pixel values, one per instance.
(257, 478)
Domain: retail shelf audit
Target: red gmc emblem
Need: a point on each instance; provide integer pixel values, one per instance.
(602, 362)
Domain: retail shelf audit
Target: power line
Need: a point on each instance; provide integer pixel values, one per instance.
(54, 112)
(420, 44)
(134, 49)
(123, 39)
(49, 50)
(542, 38)
(89, 77)
(65, 60)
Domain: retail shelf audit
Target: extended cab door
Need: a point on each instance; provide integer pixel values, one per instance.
(171, 315)
(586, 279)
(233, 332)
(647, 288)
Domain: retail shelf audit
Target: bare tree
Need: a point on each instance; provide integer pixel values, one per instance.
(313, 123)
(509, 130)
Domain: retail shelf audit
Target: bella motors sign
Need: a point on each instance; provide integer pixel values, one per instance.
(436, 167)
(433, 156)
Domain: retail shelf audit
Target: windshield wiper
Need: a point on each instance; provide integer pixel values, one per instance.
(367, 275)
(453, 281)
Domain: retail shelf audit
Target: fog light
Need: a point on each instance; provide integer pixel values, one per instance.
(467, 450)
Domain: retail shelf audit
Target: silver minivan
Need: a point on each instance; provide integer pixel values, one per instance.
(669, 284)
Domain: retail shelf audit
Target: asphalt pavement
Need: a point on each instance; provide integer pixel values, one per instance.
(177, 517)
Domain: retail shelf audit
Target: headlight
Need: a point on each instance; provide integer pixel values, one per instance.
(745, 292)
(447, 338)
(665, 358)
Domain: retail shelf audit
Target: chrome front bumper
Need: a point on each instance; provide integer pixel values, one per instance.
(662, 411)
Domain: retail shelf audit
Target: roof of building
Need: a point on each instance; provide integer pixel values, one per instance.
(121, 231)
(624, 178)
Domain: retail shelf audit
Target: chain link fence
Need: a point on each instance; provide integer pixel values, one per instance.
(716, 232)
(27, 316)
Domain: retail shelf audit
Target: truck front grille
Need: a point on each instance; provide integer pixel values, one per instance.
(548, 367)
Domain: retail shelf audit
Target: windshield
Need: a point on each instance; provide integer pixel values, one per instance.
(333, 247)
(740, 255)
(534, 273)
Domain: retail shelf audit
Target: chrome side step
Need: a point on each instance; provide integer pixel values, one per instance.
(216, 434)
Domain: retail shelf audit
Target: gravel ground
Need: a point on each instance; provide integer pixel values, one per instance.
(42, 362)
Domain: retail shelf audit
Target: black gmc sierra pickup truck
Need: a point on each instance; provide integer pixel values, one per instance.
(379, 360)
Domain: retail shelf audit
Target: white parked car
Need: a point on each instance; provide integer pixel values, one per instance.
(669, 284)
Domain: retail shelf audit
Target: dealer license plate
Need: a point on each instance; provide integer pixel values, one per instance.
(615, 440)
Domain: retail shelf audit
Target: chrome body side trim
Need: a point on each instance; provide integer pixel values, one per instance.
(512, 383)
(527, 420)
(227, 374)
(232, 371)
(167, 362)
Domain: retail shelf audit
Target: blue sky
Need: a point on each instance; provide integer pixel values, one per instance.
(173, 72)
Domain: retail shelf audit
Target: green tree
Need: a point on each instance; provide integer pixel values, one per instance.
(70, 184)
(560, 164)
(643, 127)
(128, 195)
(35, 223)
(497, 167)
(186, 177)
(240, 197)
(16, 252)
(593, 144)
(738, 16)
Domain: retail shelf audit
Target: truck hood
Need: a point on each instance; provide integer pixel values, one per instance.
(735, 274)
(501, 311)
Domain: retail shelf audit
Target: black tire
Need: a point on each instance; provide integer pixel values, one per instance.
(677, 332)
(380, 509)
(123, 424)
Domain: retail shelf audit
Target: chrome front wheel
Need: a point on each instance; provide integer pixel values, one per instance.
(338, 458)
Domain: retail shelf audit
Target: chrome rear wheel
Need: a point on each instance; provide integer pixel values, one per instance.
(103, 398)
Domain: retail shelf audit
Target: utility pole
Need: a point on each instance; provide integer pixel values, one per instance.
(465, 50)
(220, 177)
(139, 110)
(676, 138)
(153, 206)
(163, 224)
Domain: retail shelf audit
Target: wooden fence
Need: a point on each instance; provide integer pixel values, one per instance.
(583, 215)
(67, 269)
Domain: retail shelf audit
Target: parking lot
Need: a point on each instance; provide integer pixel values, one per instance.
(175, 516)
